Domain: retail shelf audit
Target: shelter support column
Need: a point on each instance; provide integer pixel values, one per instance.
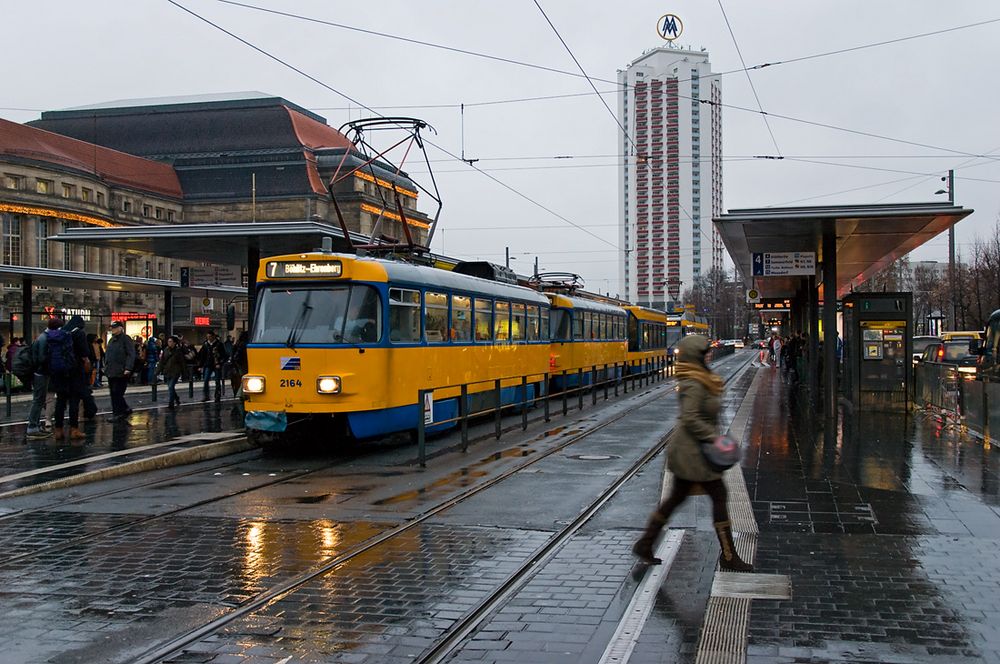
(27, 306)
(168, 311)
(829, 320)
(812, 348)
(253, 260)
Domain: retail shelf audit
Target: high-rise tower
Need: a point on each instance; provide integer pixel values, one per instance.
(670, 177)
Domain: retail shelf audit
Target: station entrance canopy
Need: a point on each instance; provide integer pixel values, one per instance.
(868, 238)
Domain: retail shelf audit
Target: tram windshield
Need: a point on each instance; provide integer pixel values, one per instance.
(342, 314)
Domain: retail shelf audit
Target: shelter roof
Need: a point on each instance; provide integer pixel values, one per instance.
(40, 146)
(227, 243)
(869, 237)
(108, 282)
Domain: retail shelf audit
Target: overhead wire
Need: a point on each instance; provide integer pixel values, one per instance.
(354, 101)
(746, 71)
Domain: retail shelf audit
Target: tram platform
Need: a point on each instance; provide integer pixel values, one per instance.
(883, 530)
(110, 449)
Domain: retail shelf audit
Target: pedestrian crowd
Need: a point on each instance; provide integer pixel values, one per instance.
(69, 362)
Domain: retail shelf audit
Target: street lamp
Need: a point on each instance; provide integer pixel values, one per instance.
(950, 180)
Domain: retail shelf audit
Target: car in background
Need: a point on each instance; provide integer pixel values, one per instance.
(963, 354)
(739, 343)
(921, 343)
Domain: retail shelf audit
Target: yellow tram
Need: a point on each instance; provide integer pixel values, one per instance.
(588, 341)
(649, 338)
(347, 343)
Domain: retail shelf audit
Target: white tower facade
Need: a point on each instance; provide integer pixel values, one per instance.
(670, 174)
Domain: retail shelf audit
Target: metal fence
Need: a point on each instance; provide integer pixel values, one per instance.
(602, 378)
(958, 397)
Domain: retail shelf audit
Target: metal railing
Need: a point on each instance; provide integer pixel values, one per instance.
(609, 378)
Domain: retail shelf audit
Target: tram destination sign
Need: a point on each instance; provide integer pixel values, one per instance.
(278, 269)
(784, 264)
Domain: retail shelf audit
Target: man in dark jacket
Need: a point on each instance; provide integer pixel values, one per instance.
(39, 387)
(85, 351)
(119, 358)
(211, 357)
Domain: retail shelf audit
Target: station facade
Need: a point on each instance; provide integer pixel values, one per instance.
(235, 158)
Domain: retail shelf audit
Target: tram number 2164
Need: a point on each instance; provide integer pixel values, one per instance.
(290, 382)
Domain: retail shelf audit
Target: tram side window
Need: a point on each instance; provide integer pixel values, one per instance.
(562, 325)
(633, 334)
(436, 317)
(604, 327)
(501, 321)
(544, 331)
(577, 324)
(518, 326)
(461, 318)
(533, 328)
(484, 319)
(404, 315)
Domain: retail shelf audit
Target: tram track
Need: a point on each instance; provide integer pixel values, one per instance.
(467, 624)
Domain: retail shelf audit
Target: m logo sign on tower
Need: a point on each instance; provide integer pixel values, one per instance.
(669, 27)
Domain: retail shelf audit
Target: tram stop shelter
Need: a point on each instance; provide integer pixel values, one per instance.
(849, 243)
(240, 244)
(30, 277)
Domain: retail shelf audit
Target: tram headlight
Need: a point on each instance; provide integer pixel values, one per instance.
(253, 384)
(328, 384)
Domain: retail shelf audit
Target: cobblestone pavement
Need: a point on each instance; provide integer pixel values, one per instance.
(888, 531)
(145, 427)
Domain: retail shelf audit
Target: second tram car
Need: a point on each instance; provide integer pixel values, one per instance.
(588, 341)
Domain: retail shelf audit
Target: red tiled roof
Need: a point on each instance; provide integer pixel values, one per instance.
(316, 135)
(115, 167)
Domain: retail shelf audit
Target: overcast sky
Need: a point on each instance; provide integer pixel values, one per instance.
(938, 91)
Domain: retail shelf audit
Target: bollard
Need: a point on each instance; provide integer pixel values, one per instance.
(496, 389)
(524, 403)
(421, 432)
(545, 396)
(152, 390)
(565, 393)
(463, 412)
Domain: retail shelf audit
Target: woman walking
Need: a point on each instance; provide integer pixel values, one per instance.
(700, 393)
(172, 366)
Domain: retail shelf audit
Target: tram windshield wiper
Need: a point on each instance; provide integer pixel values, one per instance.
(295, 333)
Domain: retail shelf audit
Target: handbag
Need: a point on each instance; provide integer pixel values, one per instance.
(722, 453)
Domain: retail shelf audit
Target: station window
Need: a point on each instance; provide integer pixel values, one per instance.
(170, 215)
(11, 240)
(436, 317)
(86, 195)
(100, 198)
(68, 191)
(147, 210)
(126, 206)
(159, 213)
(484, 319)
(501, 321)
(42, 241)
(43, 186)
(11, 181)
(404, 315)
(518, 322)
(461, 318)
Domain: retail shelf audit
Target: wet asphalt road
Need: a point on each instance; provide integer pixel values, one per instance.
(887, 529)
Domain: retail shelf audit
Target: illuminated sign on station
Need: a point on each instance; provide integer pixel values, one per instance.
(773, 304)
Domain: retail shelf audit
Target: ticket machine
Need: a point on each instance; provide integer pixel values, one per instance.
(878, 336)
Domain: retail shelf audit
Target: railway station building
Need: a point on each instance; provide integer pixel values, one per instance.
(228, 158)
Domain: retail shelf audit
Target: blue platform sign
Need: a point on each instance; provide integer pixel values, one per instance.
(784, 264)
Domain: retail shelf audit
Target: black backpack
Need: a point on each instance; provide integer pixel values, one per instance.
(23, 365)
(59, 352)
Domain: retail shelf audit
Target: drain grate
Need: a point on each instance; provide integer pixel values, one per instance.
(751, 586)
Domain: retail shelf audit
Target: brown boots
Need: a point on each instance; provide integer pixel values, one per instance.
(729, 560)
(74, 433)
